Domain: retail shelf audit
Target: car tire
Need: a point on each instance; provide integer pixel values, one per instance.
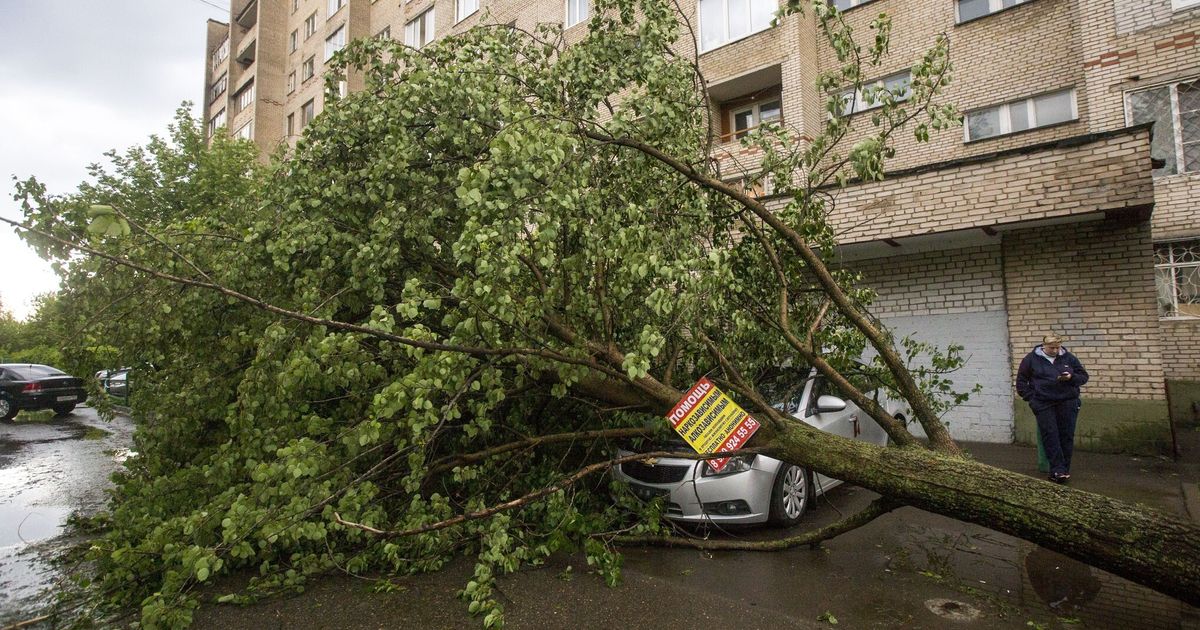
(8, 410)
(790, 495)
(62, 410)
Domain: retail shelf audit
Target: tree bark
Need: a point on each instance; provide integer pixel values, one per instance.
(1143, 545)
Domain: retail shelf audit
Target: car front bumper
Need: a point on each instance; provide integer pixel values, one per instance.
(741, 498)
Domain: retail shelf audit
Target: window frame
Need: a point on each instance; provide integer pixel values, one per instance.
(582, 14)
(333, 6)
(291, 82)
(308, 69)
(310, 25)
(725, 22)
(341, 30)
(755, 109)
(858, 94)
(244, 98)
(459, 16)
(1183, 5)
(294, 41)
(854, 4)
(217, 121)
(1172, 265)
(1031, 112)
(223, 83)
(308, 111)
(1176, 118)
(427, 30)
(245, 132)
(994, 7)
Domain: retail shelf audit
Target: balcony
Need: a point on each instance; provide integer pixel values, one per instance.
(248, 16)
(246, 55)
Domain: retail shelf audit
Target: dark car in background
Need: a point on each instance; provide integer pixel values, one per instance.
(29, 386)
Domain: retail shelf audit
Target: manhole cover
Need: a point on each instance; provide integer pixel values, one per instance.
(952, 610)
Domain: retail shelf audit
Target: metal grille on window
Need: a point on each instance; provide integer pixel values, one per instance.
(1189, 124)
(1155, 106)
(1177, 271)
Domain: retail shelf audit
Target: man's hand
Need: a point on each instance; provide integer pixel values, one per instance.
(1065, 376)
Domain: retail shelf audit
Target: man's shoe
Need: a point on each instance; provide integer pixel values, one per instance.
(1059, 478)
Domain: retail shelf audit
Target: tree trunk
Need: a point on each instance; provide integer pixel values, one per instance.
(1143, 545)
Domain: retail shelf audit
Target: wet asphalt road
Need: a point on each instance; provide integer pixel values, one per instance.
(908, 569)
(47, 471)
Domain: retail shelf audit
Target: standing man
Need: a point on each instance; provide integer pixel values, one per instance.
(1049, 380)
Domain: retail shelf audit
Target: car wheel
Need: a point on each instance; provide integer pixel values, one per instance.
(790, 495)
(8, 411)
(63, 410)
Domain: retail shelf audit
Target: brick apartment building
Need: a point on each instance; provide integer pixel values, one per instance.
(1057, 206)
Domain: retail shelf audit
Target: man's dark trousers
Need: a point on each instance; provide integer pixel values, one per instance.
(1056, 424)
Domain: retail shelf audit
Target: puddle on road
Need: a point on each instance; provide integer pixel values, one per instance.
(47, 471)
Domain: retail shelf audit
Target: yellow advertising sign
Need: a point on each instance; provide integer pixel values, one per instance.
(710, 422)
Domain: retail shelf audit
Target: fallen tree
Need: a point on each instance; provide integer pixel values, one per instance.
(416, 336)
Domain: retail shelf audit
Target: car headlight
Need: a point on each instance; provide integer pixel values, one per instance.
(740, 463)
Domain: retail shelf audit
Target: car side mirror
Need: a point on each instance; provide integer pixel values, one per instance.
(827, 403)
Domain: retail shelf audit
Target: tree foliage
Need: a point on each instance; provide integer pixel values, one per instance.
(465, 281)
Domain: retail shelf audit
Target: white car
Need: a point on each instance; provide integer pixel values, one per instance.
(754, 489)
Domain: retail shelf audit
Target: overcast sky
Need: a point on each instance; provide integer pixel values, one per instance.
(81, 77)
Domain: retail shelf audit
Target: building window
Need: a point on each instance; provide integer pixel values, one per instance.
(419, 31)
(971, 9)
(465, 8)
(219, 87)
(244, 98)
(1183, 4)
(386, 33)
(1029, 113)
(335, 6)
(842, 5)
(756, 185)
(1175, 111)
(246, 132)
(289, 127)
(220, 54)
(293, 41)
(295, 5)
(724, 21)
(741, 116)
(307, 69)
(310, 25)
(335, 42)
(307, 112)
(216, 122)
(1177, 274)
(871, 95)
(577, 11)
(291, 82)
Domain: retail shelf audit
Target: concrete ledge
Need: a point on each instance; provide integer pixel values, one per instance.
(1108, 426)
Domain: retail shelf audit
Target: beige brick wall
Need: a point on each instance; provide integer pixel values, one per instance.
(1181, 349)
(1110, 172)
(1089, 283)
(963, 280)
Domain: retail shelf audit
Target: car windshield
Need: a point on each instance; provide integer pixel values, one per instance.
(34, 372)
(784, 386)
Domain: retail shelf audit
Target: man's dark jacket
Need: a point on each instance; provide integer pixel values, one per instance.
(1037, 378)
